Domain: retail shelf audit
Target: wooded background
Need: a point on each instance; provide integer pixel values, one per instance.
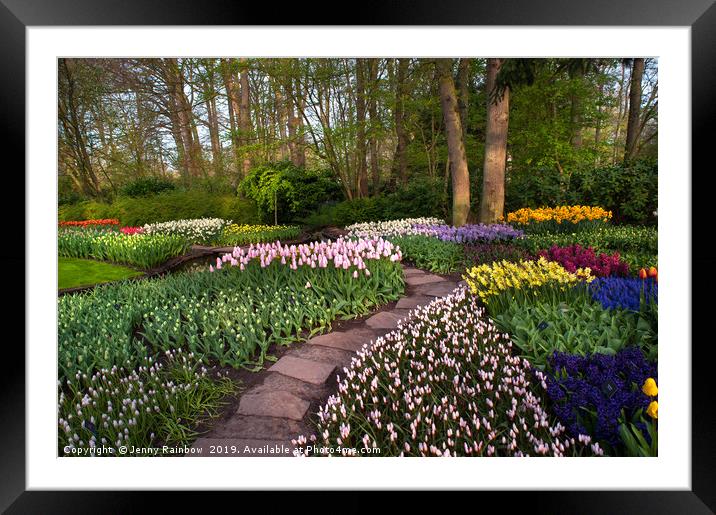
(468, 127)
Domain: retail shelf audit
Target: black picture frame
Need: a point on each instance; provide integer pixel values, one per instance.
(16, 15)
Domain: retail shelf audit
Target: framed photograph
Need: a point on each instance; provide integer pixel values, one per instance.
(428, 234)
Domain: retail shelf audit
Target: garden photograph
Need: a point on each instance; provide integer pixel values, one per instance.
(357, 257)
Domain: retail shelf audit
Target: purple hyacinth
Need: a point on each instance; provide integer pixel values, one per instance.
(470, 233)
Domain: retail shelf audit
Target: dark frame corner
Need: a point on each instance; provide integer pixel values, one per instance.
(700, 15)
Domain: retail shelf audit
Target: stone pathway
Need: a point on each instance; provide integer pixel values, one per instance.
(279, 407)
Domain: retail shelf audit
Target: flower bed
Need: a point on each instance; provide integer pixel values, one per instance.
(559, 219)
(107, 222)
(489, 280)
(601, 395)
(574, 257)
(470, 233)
(142, 250)
(443, 384)
(235, 234)
(389, 228)
(232, 315)
(625, 293)
(155, 405)
(201, 231)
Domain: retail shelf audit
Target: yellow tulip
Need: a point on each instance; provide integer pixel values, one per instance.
(653, 410)
(650, 388)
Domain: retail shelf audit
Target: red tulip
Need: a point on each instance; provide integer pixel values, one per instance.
(642, 274)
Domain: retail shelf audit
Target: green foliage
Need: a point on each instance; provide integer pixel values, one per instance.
(629, 192)
(431, 254)
(547, 319)
(73, 272)
(145, 186)
(245, 234)
(142, 250)
(229, 316)
(419, 198)
(633, 240)
(164, 207)
(635, 445)
(290, 191)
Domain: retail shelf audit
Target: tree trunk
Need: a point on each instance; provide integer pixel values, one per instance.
(575, 117)
(245, 116)
(361, 170)
(463, 90)
(213, 121)
(633, 122)
(282, 115)
(492, 204)
(374, 121)
(456, 145)
(232, 98)
(401, 158)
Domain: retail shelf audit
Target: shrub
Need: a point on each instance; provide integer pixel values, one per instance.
(575, 257)
(630, 191)
(288, 191)
(445, 383)
(145, 186)
(430, 253)
(164, 207)
(420, 198)
(595, 394)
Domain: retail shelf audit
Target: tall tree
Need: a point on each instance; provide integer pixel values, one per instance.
(493, 183)
(245, 115)
(463, 90)
(361, 172)
(400, 159)
(633, 121)
(71, 114)
(456, 145)
(374, 123)
(234, 108)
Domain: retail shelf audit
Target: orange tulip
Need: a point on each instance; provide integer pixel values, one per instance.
(642, 273)
(652, 272)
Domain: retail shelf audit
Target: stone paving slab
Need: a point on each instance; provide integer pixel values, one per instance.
(339, 340)
(303, 369)
(384, 320)
(413, 271)
(273, 404)
(275, 382)
(240, 447)
(269, 428)
(416, 280)
(336, 357)
(438, 290)
(413, 302)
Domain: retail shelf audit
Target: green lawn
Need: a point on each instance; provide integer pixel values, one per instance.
(73, 272)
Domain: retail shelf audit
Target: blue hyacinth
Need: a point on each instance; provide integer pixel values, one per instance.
(622, 292)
